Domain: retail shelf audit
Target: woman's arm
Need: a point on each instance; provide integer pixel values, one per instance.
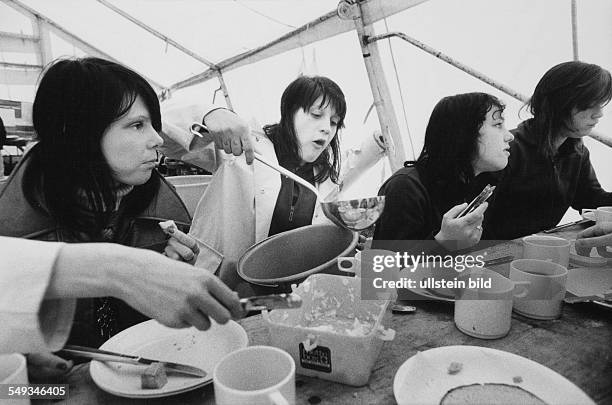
(176, 294)
(39, 280)
(589, 193)
(227, 131)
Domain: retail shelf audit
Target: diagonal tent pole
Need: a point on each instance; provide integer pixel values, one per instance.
(174, 43)
(157, 33)
(471, 71)
(57, 29)
(326, 26)
(606, 140)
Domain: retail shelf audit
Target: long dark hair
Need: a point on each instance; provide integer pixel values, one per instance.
(302, 93)
(76, 101)
(451, 137)
(563, 88)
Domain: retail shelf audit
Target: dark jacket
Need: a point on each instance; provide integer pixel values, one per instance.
(19, 219)
(414, 207)
(534, 191)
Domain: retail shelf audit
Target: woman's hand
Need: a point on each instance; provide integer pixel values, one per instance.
(181, 246)
(47, 367)
(598, 236)
(178, 295)
(361, 242)
(230, 132)
(461, 233)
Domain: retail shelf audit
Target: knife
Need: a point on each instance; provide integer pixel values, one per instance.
(104, 355)
(272, 301)
(560, 227)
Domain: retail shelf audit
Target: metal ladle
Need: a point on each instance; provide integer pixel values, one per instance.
(355, 215)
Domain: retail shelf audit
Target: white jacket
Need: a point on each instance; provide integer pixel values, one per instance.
(236, 209)
(29, 323)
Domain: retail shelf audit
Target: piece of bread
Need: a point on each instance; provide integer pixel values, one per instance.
(455, 367)
(154, 376)
(168, 227)
(490, 394)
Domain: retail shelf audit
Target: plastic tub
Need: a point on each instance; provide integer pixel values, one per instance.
(334, 335)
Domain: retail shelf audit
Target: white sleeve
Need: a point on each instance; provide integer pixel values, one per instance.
(179, 142)
(29, 322)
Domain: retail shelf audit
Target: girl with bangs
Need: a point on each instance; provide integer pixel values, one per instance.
(305, 141)
(465, 141)
(91, 177)
(549, 168)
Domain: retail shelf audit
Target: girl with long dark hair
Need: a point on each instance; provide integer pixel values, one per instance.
(465, 140)
(549, 168)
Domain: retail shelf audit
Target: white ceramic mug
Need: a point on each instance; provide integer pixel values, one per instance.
(255, 375)
(485, 312)
(543, 247)
(601, 214)
(13, 370)
(546, 292)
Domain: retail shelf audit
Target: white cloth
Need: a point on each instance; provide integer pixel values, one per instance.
(236, 209)
(28, 322)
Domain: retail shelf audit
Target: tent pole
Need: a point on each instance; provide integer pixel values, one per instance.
(453, 62)
(44, 54)
(157, 34)
(380, 91)
(228, 102)
(326, 26)
(575, 29)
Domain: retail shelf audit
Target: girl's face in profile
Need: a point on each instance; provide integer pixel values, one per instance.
(315, 128)
(583, 122)
(493, 143)
(130, 144)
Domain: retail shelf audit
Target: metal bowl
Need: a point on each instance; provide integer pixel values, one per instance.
(356, 215)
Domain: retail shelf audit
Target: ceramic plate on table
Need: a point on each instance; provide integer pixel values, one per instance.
(424, 378)
(590, 281)
(203, 349)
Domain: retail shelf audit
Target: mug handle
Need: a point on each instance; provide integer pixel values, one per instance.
(277, 398)
(350, 260)
(588, 210)
(523, 285)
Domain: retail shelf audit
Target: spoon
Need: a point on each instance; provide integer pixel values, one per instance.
(355, 215)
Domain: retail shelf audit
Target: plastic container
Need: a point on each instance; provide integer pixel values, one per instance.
(334, 335)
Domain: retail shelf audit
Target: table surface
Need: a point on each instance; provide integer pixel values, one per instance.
(578, 346)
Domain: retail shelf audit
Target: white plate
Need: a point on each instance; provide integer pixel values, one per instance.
(590, 281)
(420, 273)
(424, 378)
(203, 349)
